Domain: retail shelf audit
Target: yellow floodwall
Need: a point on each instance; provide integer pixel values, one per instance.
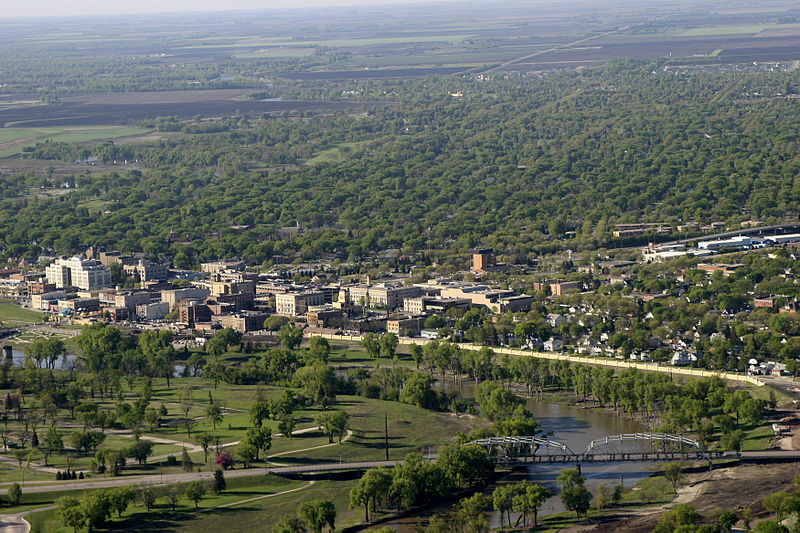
(601, 361)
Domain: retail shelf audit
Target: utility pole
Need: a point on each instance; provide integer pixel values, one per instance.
(386, 433)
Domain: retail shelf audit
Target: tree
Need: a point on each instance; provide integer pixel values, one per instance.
(14, 494)
(53, 443)
(770, 526)
(530, 500)
(333, 423)
(673, 474)
(575, 496)
(372, 485)
(727, 520)
(289, 524)
(291, 336)
(246, 451)
(120, 497)
(186, 461)
(260, 438)
(140, 450)
(219, 481)
(416, 354)
(173, 495)
(388, 345)
(96, 507)
(502, 499)
(371, 345)
(70, 512)
(195, 492)
(682, 515)
(317, 513)
(205, 440)
(147, 497)
(214, 413)
(225, 460)
(319, 348)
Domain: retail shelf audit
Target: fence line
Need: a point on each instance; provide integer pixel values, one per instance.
(616, 363)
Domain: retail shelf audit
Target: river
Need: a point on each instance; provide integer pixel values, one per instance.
(575, 427)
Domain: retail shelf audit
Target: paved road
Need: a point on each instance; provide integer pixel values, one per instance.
(153, 480)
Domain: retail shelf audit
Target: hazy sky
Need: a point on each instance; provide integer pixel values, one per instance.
(51, 8)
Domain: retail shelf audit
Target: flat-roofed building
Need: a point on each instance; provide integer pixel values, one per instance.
(131, 299)
(405, 327)
(42, 301)
(381, 295)
(86, 274)
(214, 267)
(174, 296)
(193, 311)
(244, 321)
(147, 271)
(153, 311)
(297, 303)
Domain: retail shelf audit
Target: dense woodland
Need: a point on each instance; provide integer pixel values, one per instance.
(515, 163)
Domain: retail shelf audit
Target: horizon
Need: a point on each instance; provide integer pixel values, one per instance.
(50, 9)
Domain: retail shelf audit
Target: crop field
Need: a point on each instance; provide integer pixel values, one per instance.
(76, 114)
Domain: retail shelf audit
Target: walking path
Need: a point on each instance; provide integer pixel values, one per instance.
(346, 437)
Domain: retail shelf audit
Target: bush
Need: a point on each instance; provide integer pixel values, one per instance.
(172, 460)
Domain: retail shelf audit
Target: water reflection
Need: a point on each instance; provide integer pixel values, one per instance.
(575, 427)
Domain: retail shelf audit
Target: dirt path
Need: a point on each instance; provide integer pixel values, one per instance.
(223, 506)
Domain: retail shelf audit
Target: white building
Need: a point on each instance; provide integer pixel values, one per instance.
(154, 311)
(86, 274)
(297, 303)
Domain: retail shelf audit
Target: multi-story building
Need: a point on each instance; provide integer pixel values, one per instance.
(86, 274)
(80, 305)
(131, 299)
(423, 304)
(174, 296)
(382, 295)
(405, 327)
(42, 302)
(153, 311)
(193, 311)
(147, 271)
(219, 266)
(483, 258)
(244, 321)
(297, 303)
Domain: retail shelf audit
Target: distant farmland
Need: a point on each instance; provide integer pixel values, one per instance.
(108, 110)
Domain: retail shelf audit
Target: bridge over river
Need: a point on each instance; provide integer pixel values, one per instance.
(626, 447)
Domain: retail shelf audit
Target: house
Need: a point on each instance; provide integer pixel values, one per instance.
(556, 320)
(553, 345)
(683, 359)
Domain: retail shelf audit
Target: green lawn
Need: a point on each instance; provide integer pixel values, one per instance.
(13, 140)
(337, 154)
(162, 518)
(14, 315)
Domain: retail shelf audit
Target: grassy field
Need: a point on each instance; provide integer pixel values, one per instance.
(13, 315)
(734, 29)
(185, 517)
(277, 53)
(337, 154)
(13, 140)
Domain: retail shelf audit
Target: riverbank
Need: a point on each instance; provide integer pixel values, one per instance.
(733, 488)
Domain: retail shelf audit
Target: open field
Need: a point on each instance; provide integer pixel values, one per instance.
(13, 315)
(337, 154)
(73, 114)
(13, 140)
